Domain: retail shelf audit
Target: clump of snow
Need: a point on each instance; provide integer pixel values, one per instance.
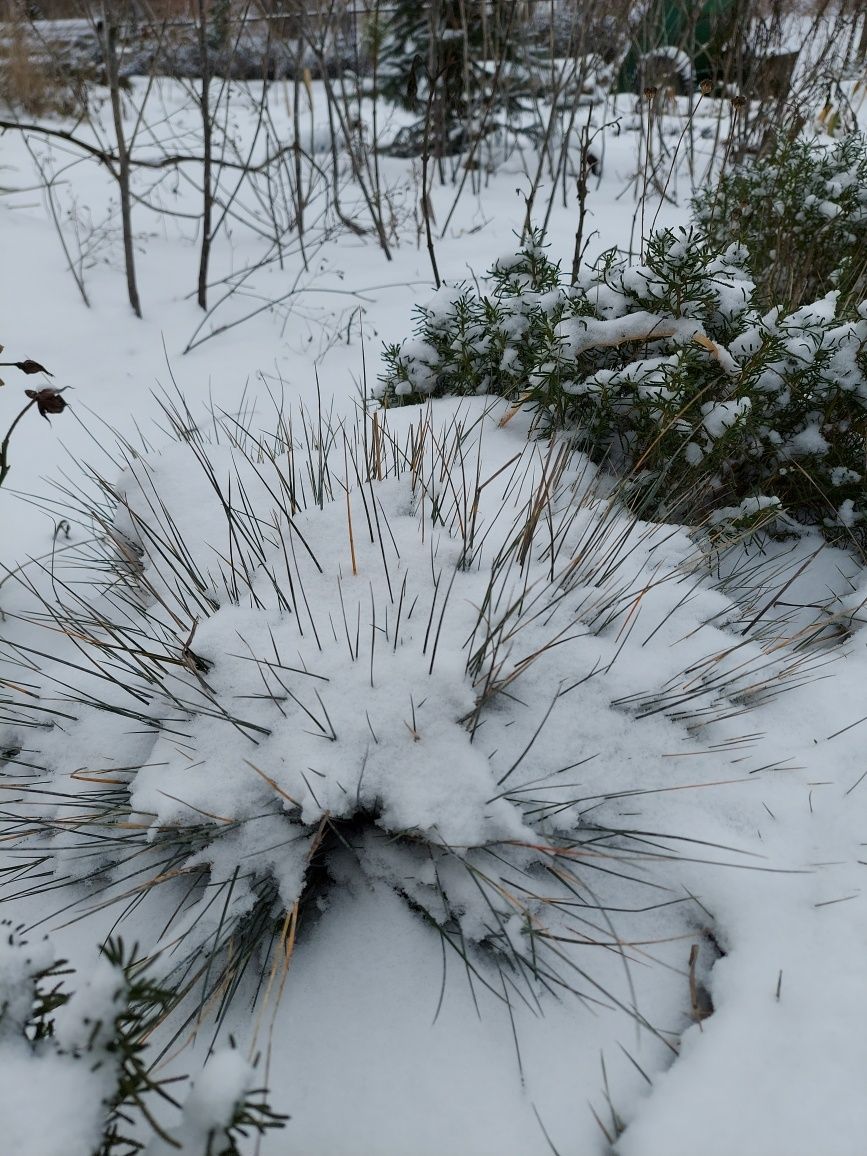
(717, 417)
(222, 1086)
(748, 508)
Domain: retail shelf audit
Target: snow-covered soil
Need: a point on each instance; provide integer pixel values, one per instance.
(746, 825)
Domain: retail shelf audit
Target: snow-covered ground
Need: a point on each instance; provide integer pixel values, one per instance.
(747, 834)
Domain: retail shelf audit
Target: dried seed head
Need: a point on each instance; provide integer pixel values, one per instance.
(651, 92)
(706, 87)
(738, 102)
(47, 400)
(31, 366)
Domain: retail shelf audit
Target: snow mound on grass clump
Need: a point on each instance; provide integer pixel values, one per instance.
(416, 651)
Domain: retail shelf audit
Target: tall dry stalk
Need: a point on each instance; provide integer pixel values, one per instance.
(109, 36)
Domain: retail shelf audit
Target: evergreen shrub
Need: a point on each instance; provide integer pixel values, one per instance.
(481, 63)
(89, 1047)
(672, 373)
(801, 212)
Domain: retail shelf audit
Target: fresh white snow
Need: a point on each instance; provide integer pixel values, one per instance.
(747, 822)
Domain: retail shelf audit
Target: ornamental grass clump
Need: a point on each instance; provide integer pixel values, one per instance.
(800, 210)
(399, 654)
(709, 408)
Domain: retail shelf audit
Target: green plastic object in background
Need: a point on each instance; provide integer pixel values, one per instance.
(706, 33)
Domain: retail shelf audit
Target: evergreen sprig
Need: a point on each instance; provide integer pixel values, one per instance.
(671, 373)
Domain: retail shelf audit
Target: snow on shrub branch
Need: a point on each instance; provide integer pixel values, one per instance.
(76, 1079)
(801, 212)
(668, 373)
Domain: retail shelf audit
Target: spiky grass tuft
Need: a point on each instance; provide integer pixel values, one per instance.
(402, 648)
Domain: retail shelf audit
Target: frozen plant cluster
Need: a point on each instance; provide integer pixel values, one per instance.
(707, 406)
(82, 1053)
(54, 1049)
(800, 210)
(373, 656)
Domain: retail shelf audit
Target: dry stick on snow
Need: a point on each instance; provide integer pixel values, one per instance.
(558, 88)
(426, 209)
(4, 445)
(650, 94)
(583, 175)
(109, 158)
(124, 168)
(487, 112)
(349, 121)
(207, 147)
(705, 91)
(48, 182)
(212, 165)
